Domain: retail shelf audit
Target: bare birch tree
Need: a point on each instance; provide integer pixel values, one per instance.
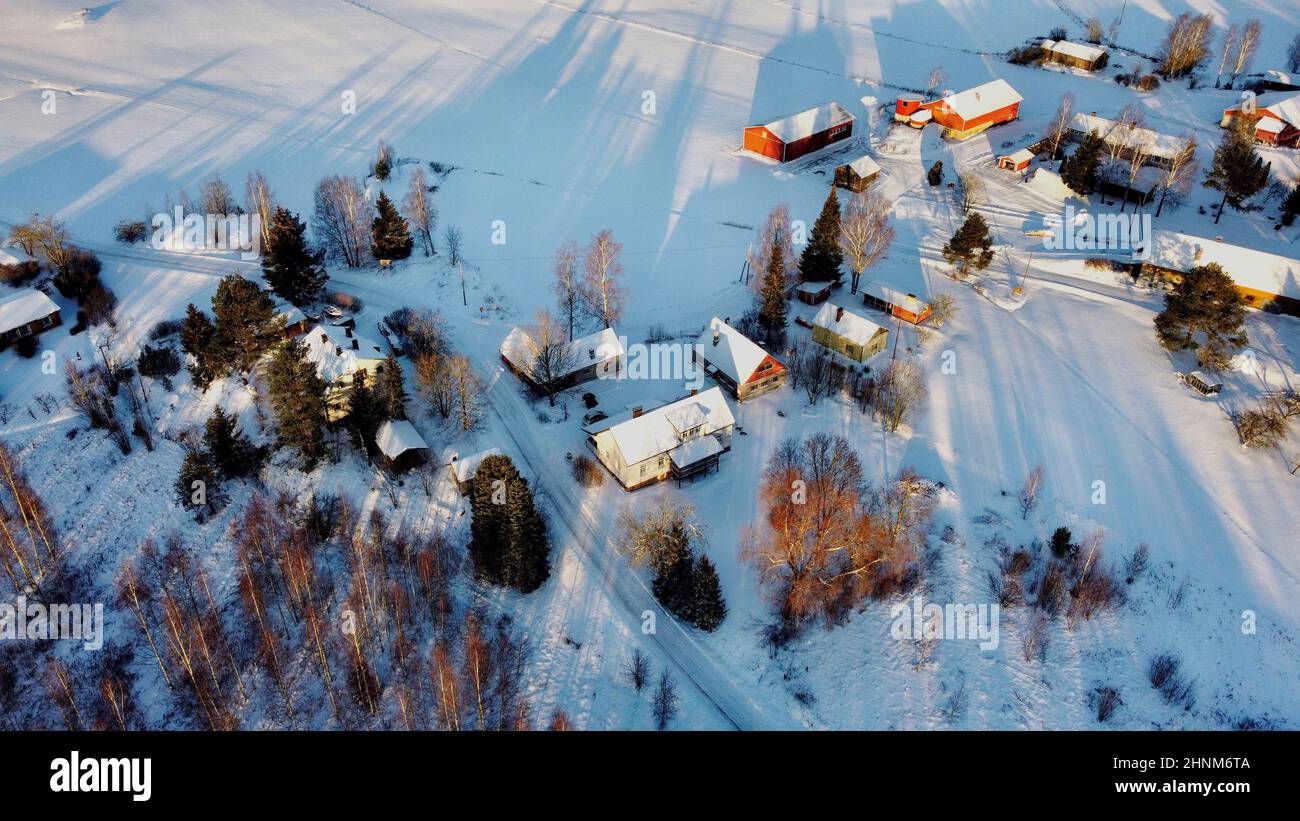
(421, 213)
(900, 393)
(1246, 48)
(601, 289)
(259, 199)
(1180, 172)
(549, 357)
(1058, 129)
(775, 229)
(342, 219)
(568, 290)
(1227, 45)
(865, 232)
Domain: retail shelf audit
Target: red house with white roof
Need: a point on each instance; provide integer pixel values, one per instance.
(1277, 124)
(790, 138)
(965, 113)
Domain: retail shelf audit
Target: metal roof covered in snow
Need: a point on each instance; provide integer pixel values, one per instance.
(981, 100)
(806, 123)
(1078, 51)
(857, 329)
(397, 436)
(467, 467)
(600, 347)
(333, 353)
(730, 351)
(1153, 142)
(657, 431)
(1257, 270)
(24, 307)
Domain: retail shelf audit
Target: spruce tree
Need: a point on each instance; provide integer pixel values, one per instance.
(1238, 171)
(1291, 205)
(509, 544)
(196, 335)
(1079, 171)
(246, 325)
(526, 563)
(1205, 302)
(392, 389)
(197, 485)
(231, 451)
(365, 413)
(708, 608)
(971, 245)
(673, 584)
(390, 234)
(772, 307)
(290, 266)
(298, 398)
(821, 258)
(489, 495)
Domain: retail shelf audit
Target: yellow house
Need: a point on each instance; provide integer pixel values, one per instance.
(338, 354)
(846, 333)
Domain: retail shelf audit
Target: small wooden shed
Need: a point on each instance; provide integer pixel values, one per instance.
(814, 293)
(462, 470)
(401, 445)
(857, 175)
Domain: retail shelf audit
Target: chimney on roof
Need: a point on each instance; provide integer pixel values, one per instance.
(694, 391)
(636, 412)
(839, 314)
(338, 351)
(716, 337)
(324, 337)
(591, 353)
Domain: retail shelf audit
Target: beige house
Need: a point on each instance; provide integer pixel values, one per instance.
(338, 354)
(846, 333)
(680, 440)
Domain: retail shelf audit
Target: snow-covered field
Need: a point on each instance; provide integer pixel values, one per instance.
(559, 118)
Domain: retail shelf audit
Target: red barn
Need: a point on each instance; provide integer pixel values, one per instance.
(792, 137)
(966, 113)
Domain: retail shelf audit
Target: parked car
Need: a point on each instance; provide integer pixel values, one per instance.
(593, 417)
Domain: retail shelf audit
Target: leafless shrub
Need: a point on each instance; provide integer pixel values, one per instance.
(1029, 491)
(1105, 700)
(637, 669)
(900, 393)
(1166, 676)
(665, 701)
(1262, 427)
(1176, 596)
(1136, 564)
(587, 472)
(954, 707)
(1034, 641)
(1051, 589)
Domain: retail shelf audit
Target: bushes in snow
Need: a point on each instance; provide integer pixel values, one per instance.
(587, 471)
(130, 231)
(1166, 676)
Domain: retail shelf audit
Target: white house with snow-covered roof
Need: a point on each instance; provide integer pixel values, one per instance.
(598, 355)
(680, 440)
(339, 354)
(736, 362)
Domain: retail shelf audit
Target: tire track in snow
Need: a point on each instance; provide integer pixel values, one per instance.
(623, 586)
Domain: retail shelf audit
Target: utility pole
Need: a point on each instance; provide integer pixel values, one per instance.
(463, 297)
(1024, 278)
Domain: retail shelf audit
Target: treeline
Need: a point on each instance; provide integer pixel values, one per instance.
(324, 629)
